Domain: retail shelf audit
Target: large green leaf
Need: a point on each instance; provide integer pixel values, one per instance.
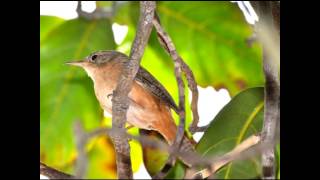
(210, 37)
(47, 23)
(239, 119)
(66, 93)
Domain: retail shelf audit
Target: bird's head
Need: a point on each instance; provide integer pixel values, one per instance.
(98, 59)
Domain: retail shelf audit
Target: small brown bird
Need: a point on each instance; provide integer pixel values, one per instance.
(150, 102)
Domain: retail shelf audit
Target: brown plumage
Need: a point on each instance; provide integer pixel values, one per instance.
(150, 103)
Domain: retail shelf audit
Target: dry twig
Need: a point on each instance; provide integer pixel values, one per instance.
(236, 153)
(53, 173)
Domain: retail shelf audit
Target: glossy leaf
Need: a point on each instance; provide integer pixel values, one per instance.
(66, 93)
(239, 119)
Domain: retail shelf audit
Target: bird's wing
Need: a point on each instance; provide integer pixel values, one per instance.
(145, 79)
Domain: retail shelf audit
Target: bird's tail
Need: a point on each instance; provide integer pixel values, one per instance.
(168, 129)
(186, 147)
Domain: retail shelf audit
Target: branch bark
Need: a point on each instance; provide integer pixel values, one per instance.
(81, 140)
(166, 42)
(268, 34)
(52, 173)
(120, 100)
(168, 45)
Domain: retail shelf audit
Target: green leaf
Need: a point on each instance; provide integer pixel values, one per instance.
(278, 160)
(239, 119)
(210, 37)
(103, 4)
(47, 23)
(127, 13)
(102, 159)
(66, 93)
(177, 172)
(154, 159)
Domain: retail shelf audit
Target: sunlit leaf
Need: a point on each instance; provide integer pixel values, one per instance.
(66, 93)
(47, 23)
(101, 157)
(211, 38)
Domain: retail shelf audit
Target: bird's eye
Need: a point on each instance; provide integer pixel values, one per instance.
(94, 57)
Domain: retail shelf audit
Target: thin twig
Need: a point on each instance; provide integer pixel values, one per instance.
(168, 45)
(81, 141)
(237, 153)
(166, 41)
(200, 128)
(52, 173)
(268, 34)
(192, 84)
(194, 158)
(120, 100)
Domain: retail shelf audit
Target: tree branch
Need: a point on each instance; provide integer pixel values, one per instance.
(168, 45)
(166, 41)
(120, 100)
(53, 173)
(192, 84)
(268, 34)
(213, 163)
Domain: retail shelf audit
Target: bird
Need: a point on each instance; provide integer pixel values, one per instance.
(150, 103)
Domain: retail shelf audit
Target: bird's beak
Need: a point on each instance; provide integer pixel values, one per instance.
(76, 63)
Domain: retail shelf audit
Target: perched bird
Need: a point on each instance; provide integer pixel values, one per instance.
(150, 102)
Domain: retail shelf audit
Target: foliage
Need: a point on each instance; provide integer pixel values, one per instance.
(239, 119)
(210, 37)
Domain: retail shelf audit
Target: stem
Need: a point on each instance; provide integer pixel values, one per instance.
(53, 173)
(120, 100)
(268, 34)
(166, 42)
(168, 45)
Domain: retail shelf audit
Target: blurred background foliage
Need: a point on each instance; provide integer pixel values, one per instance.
(210, 37)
